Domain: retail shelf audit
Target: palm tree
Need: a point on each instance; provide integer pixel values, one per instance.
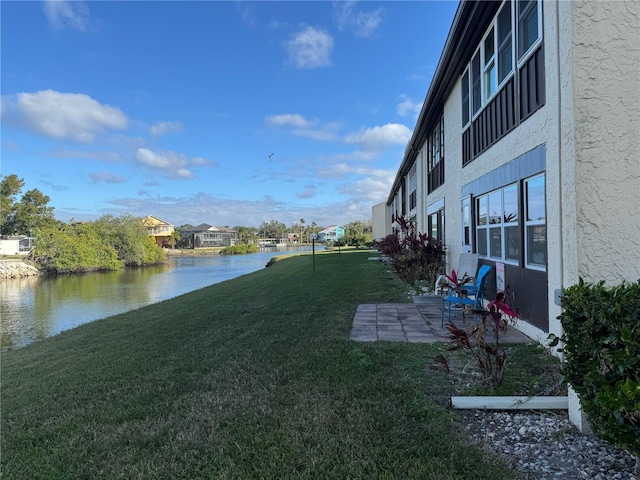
(173, 238)
(301, 230)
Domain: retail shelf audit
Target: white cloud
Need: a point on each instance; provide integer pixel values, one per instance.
(74, 116)
(303, 127)
(406, 107)
(161, 128)
(310, 48)
(106, 177)
(199, 161)
(63, 14)
(369, 190)
(375, 138)
(172, 164)
(288, 119)
(363, 24)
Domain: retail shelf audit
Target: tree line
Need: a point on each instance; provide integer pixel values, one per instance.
(110, 242)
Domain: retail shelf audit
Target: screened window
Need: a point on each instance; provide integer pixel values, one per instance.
(489, 68)
(493, 62)
(505, 48)
(477, 85)
(528, 25)
(465, 98)
(413, 185)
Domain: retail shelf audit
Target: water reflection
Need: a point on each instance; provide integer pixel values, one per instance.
(35, 308)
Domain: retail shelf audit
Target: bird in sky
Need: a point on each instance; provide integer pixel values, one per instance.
(270, 157)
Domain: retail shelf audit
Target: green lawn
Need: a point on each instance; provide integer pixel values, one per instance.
(253, 378)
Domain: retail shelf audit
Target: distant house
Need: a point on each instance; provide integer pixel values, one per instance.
(158, 229)
(19, 245)
(331, 234)
(205, 235)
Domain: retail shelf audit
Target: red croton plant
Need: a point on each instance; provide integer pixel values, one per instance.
(490, 357)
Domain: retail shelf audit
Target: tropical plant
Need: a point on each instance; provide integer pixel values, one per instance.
(413, 255)
(490, 356)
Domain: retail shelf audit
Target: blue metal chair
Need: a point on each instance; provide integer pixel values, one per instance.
(476, 291)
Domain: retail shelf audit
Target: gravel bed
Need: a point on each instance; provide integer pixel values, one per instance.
(545, 445)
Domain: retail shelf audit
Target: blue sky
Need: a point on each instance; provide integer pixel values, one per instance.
(173, 109)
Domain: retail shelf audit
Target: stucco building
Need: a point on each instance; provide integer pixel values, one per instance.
(527, 148)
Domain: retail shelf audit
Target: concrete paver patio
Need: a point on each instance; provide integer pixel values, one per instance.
(417, 322)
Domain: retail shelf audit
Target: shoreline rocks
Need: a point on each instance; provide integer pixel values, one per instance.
(16, 269)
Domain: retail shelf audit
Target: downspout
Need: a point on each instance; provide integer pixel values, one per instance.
(560, 156)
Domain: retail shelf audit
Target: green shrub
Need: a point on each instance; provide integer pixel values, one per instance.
(602, 357)
(240, 249)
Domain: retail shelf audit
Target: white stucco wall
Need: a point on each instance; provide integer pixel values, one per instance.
(606, 87)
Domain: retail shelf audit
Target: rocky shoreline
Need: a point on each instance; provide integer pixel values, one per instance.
(16, 269)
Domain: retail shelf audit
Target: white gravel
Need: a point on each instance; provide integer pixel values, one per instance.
(545, 445)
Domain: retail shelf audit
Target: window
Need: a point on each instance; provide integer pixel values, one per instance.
(490, 73)
(435, 220)
(493, 61)
(528, 26)
(465, 98)
(477, 87)
(481, 225)
(435, 156)
(466, 224)
(504, 82)
(510, 225)
(497, 230)
(413, 185)
(505, 49)
(535, 222)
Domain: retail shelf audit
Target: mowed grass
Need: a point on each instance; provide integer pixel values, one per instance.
(253, 378)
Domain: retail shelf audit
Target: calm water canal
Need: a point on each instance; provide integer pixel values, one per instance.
(35, 308)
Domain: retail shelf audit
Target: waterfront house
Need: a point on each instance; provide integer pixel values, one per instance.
(528, 141)
(158, 229)
(331, 234)
(205, 235)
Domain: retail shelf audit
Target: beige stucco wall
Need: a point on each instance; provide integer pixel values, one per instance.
(381, 219)
(606, 87)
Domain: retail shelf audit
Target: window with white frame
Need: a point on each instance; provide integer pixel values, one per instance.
(497, 230)
(465, 98)
(505, 42)
(535, 224)
(493, 61)
(413, 185)
(466, 223)
(490, 73)
(435, 220)
(528, 25)
(499, 227)
(435, 156)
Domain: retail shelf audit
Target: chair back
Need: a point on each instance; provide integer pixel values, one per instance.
(482, 275)
(467, 265)
(481, 281)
